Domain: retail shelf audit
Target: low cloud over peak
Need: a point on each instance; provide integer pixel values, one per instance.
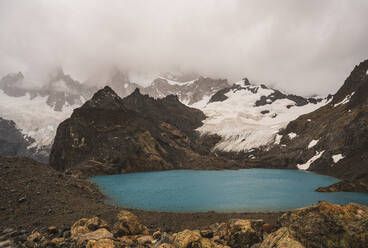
(304, 47)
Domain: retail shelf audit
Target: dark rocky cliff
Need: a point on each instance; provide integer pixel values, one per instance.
(12, 141)
(109, 135)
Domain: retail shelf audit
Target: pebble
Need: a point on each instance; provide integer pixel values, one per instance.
(6, 243)
(8, 230)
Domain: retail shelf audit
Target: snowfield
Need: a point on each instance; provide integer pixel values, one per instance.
(34, 116)
(241, 124)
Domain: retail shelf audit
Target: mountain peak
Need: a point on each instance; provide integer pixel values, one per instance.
(105, 98)
(355, 88)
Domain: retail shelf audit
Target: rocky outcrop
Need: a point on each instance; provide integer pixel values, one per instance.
(332, 140)
(12, 141)
(128, 224)
(110, 135)
(282, 238)
(328, 225)
(321, 225)
(345, 186)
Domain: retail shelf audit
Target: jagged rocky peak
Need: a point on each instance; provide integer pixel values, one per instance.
(246, 81)
(120, 82)
(109, 135)
(105, 98)
(189, 92)
(355, 88)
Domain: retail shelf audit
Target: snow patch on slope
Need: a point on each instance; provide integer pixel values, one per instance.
(312, 143)
(241, 124)
(292, 135)
(346, 100)
(178, 83)
(34, 116)
(310, 161)
(336, 158)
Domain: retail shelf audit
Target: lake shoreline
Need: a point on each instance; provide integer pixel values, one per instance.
(35, 196)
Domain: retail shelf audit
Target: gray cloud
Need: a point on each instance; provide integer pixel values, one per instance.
(303, 47)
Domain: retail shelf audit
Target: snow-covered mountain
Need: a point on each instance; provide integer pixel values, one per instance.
(248, 116)
(194, 93)
(37, 112)
(245, 116)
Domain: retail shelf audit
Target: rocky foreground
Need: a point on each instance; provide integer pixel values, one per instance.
(320, 225)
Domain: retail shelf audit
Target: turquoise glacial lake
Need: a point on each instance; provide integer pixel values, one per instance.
(251, 190)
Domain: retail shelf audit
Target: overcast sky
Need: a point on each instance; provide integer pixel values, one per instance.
(304, 47)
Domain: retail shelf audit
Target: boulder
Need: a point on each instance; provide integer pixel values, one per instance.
(328, 225)
(34, 237)
(85, 225)
(146, 239)
(126, 241)
(58, 241)
(281, 239)
(207, 243)
(220, 230)
(245, 233)
(165, 245)
(102, 243)
(101, 233)
(128, 224)
(52, 230)
(186, 239)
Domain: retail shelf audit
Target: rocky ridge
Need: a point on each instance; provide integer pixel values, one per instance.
(110, 135)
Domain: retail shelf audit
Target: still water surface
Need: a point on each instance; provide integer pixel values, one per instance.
(250, 190)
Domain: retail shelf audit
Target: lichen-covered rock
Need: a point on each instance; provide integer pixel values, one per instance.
(85, 225)
(165, 245)
(128, 224)
(126, 241)
(281, 239)
(34, 237)
(207, 243)
(245, 233)
(328, 225)
(220, 230)
(102, 243)
(58, 241)
(146, 239)
(101, 233)
(186, 239)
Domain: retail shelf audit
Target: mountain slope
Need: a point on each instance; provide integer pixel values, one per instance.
(248, 117)
(332, 140)
(109, 135)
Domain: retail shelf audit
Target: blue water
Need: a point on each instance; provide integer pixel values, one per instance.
(250, 190)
